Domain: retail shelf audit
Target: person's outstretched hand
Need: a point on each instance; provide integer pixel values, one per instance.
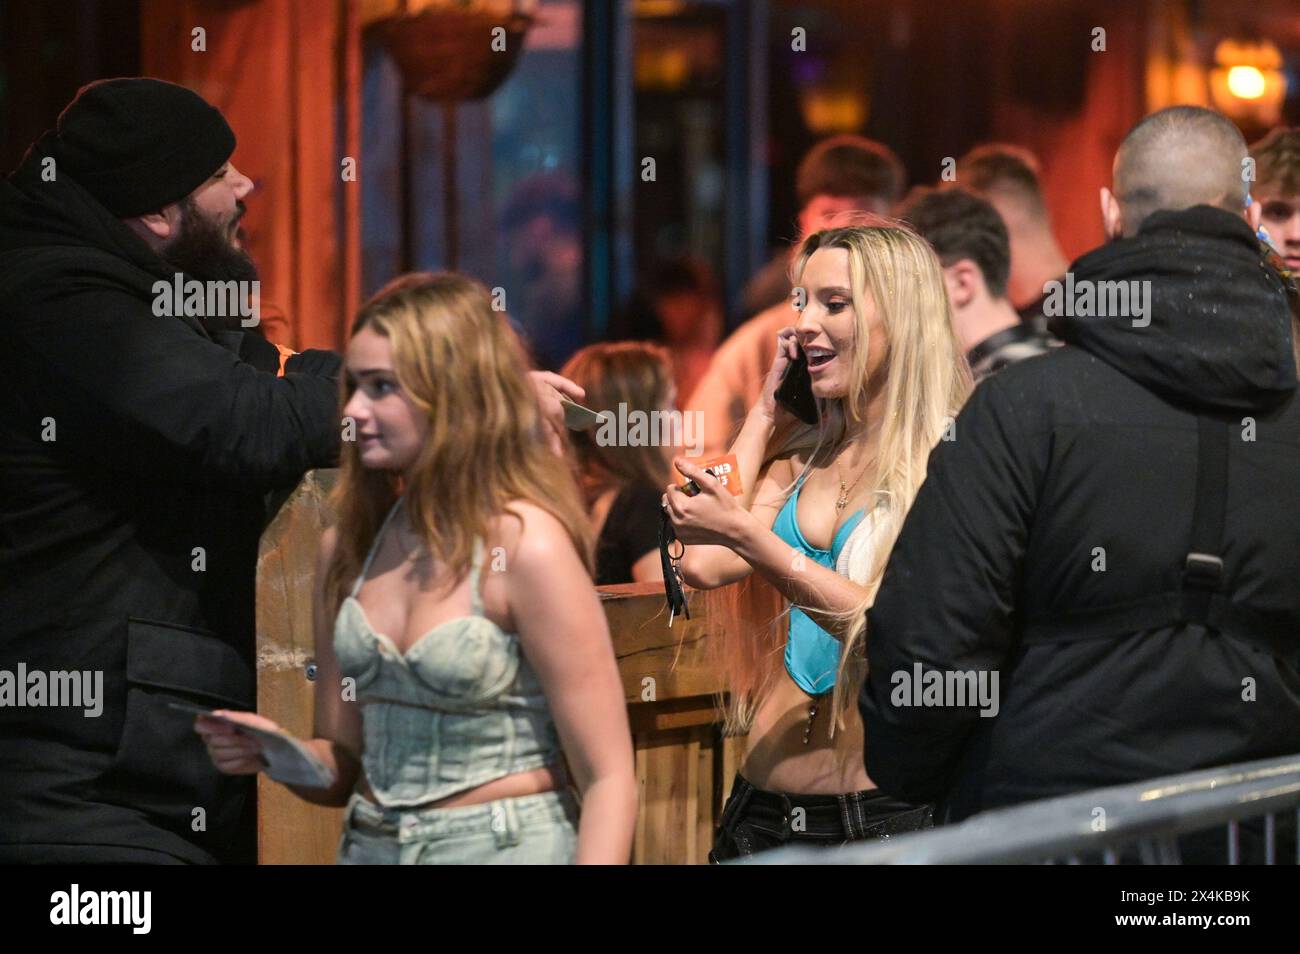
(550, 387)
(232, 752)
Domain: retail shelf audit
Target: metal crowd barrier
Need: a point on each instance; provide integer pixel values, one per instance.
(1139, 823)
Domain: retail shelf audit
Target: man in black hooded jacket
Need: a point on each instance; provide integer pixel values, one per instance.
(135, 454)
(1114, 532)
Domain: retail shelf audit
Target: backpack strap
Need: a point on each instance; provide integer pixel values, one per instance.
(1203, 568)
(1200, 598)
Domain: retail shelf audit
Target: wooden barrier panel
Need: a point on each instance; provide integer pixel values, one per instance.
(683, 765)
(289, 830)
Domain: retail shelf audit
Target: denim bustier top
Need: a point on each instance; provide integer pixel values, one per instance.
(461, 707)
(812, 655)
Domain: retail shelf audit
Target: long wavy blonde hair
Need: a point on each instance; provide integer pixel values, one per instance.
(462, 365)
(927, 379)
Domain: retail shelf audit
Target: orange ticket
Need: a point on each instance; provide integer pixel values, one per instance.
(725, 468)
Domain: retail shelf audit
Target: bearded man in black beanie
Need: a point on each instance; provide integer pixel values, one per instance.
(1112, 538)
(136, 452)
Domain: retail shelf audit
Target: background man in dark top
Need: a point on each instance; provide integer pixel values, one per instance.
(1007, 177)
(970, 239)
(1069, 544)
(837, 176)
(135, 453)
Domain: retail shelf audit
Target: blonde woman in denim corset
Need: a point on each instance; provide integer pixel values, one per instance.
(454, 604)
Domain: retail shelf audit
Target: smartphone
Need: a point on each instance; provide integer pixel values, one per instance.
(795, 391)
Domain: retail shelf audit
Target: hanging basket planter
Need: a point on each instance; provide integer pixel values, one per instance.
(450, 55)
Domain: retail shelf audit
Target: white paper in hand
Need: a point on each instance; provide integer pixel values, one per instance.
(287, 759)
(579, 418)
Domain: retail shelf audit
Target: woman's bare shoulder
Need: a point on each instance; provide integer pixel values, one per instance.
(784, 467)
(529, 531)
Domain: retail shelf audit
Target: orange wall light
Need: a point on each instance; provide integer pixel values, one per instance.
(1247, 83)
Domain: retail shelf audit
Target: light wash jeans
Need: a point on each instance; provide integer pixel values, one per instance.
(529, 830)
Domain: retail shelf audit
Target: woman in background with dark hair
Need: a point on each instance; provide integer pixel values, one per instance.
(679, 306)
(622, 483)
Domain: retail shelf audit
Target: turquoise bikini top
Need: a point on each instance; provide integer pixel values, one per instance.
(812, 655)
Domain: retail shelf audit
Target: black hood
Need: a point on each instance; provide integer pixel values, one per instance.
(60, 217)
(54, 232)
(1219, 332)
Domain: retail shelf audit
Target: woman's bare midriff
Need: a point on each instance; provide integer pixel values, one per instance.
(548, 778)
(779, 761)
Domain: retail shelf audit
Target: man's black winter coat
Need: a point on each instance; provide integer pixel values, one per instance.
(1049, 540)
(135, 452)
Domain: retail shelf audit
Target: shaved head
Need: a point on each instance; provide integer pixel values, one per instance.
(1177, 158)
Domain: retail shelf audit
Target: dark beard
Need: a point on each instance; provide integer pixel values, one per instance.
(203, 251)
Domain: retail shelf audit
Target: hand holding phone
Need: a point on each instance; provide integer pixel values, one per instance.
(795, 391)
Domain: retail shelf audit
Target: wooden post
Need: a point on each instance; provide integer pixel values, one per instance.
(289, 830)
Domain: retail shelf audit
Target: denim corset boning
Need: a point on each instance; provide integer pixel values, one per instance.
(461, 707)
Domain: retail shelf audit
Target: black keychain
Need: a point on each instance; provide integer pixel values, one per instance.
(673, 587)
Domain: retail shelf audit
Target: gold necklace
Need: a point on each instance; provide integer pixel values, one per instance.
(843, 500)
